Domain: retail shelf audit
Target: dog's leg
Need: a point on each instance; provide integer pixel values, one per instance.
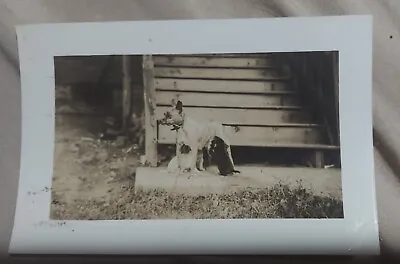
(179, 169)
(208, 153)
(193, 160)
(200, 160)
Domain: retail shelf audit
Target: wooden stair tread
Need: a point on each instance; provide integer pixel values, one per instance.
(217, 67)
(248, 86)
(300, 108)
(303, 146)
(294, 125)
(220, 55)
(266, 93)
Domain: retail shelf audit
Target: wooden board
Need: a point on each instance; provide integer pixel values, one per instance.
(243, 116)
(230, 62)
(258, 136)
(150, 111)
(227, 100)
(222, 86)
(221, 73)
(225, 55)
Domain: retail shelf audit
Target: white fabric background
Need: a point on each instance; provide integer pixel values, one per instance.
(386, 90)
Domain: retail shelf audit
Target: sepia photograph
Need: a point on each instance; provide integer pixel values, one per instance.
(197, 136)
(135, 141)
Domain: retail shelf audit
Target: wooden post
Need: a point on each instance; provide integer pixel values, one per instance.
(150, 107)
(126, 91)
(319, 158)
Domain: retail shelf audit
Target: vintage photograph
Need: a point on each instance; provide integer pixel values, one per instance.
(197, 136)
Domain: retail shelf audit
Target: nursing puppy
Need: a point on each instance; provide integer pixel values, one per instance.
(196, 135)
(220, 156)
(184, 164)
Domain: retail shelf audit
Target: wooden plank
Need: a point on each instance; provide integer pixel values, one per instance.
(227, 100)
(225, 55)
(222, 73)
(150, 107)
(230, 62)
(222, 86)
(126, 91)
(243, 116)
(306, 146)
(258, 136)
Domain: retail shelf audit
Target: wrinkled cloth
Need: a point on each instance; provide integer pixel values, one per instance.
(386, 76)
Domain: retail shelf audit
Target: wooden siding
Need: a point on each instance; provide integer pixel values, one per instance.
(223, 86)
(243, 101)
(262, 136)
(278, 115)
(248, 91)
(220, 73)
(229, 62)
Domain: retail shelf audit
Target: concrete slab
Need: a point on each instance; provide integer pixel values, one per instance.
(325, 182)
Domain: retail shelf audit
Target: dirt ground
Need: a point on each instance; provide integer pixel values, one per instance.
(94, 179)
(86, 167)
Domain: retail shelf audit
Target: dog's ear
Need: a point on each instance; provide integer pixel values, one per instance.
(179, 106)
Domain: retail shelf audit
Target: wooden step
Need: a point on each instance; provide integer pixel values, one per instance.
(227, 55)
(220, 73)
(305, 146)
(214, 62)
(259, 136)
(244, 116)
(227, 86)
(227, 100)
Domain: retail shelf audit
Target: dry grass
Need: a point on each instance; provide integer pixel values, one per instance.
(278, 201)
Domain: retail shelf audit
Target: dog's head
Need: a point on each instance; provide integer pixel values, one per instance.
(174, 116)
(218, 146)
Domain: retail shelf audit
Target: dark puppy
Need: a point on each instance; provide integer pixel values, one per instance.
(219, 155)
(185, 149)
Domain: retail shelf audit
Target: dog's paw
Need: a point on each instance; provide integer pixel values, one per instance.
(193, 173)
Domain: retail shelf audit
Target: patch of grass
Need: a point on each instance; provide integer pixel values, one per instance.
(278, 201)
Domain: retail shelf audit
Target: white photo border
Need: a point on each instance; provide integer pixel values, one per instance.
(357, 233)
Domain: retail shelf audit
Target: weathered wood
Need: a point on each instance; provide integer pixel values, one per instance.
(222, 86)
(243, 116)
(227, 100)
(229, 55)
(259, 136)
(150, 108)
(230, 62)
(126, 91)
(221, 73)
